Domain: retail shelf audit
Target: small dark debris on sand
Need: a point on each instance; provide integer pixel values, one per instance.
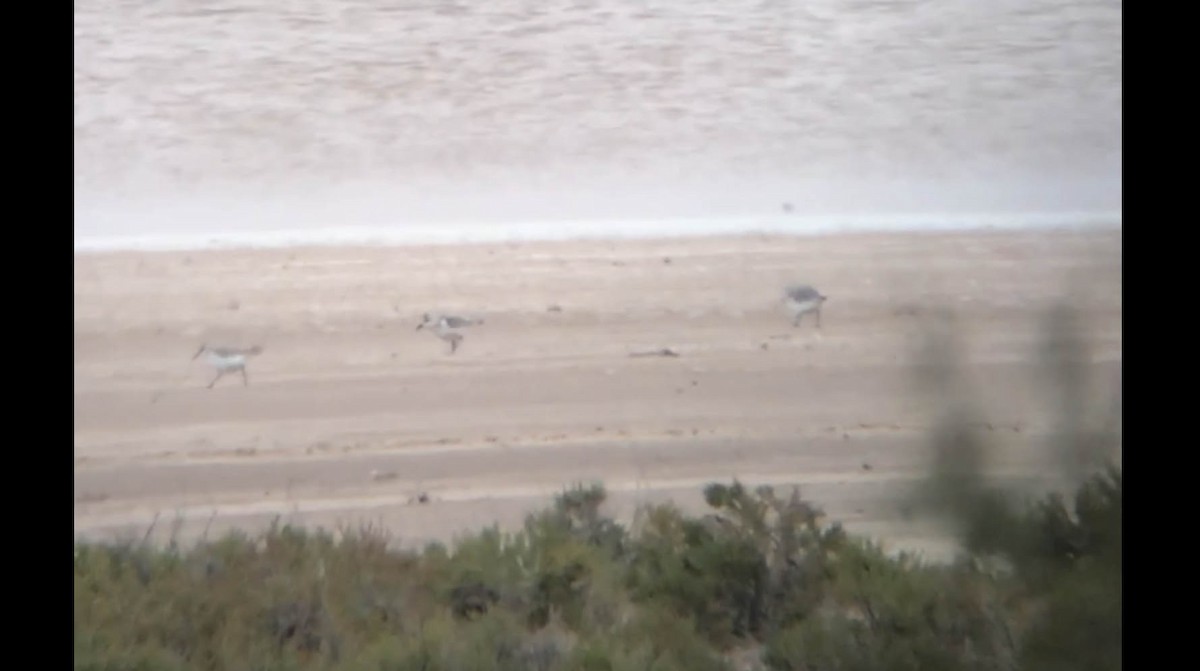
(666, 351)
(866, 466)
(554, 308)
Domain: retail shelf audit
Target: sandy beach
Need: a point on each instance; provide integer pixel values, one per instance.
(350, 413)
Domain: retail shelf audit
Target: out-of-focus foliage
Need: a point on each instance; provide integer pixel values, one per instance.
(576, 590)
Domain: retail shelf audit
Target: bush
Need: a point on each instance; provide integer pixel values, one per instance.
(574, 590)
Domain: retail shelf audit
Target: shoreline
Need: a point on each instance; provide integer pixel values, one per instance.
(466, 233)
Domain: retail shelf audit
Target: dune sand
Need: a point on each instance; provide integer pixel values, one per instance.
(350, 412)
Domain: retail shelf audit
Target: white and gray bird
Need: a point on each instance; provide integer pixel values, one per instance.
(227, 360)
(452, 321)
(802, 299)
(445, 327)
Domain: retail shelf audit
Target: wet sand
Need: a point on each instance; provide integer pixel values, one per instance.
(350, 413)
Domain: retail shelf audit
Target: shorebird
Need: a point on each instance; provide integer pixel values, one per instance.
(451, 321)
(228, 359)
(802, 299)
(443, 327)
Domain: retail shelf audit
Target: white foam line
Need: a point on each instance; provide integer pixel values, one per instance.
(467, 232)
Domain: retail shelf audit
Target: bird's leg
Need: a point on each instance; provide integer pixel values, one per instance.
(453, 345)
(214, 380)
(245, 381)
(818, 318)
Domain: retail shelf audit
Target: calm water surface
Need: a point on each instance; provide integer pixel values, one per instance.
(594, 105)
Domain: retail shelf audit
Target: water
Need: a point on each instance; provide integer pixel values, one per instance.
(252, 121)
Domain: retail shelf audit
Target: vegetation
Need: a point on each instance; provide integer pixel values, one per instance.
(759, 583)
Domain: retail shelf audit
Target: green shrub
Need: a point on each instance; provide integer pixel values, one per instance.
(573, 591)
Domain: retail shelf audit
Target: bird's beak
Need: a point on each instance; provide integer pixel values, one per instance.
(420, 326)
